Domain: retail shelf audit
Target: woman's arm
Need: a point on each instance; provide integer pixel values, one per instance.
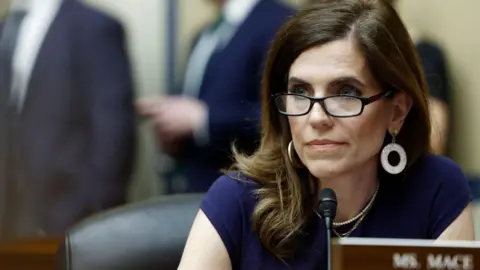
(204, 249)
(461, 228)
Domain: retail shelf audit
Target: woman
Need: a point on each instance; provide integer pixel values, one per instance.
(342, 88)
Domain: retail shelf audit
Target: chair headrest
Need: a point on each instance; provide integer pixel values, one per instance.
(145, 235)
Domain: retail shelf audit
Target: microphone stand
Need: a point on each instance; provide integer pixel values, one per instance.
(327, 206)
(328, 223)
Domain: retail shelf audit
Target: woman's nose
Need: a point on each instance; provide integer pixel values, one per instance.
(319, 117)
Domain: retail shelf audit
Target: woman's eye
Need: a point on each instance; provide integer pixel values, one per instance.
(349, 91)
(299, 90)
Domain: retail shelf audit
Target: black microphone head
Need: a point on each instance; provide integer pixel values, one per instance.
(327, 203)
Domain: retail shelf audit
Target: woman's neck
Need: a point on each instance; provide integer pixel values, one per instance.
(353, 190)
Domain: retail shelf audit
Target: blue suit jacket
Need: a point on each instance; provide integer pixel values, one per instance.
(77, 131)
(231, 89)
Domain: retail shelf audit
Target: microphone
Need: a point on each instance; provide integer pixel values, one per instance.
(327, 207)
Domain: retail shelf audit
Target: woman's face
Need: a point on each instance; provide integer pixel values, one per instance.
(331, 146)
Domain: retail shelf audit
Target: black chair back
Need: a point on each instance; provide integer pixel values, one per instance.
(148, 235)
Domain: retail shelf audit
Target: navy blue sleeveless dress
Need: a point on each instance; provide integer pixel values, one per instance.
(420, 206)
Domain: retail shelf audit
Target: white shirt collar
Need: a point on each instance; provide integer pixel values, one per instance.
(236, 11)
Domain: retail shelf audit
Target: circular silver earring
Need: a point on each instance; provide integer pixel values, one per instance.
(387, 150)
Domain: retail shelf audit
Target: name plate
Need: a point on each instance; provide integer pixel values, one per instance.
(384, 254)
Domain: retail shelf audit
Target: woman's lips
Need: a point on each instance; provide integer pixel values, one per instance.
(324, 145)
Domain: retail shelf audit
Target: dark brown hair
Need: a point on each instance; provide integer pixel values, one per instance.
(283, 206)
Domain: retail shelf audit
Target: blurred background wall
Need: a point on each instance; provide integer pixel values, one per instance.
(3, 7)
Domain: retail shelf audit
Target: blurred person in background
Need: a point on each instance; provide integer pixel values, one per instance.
(220, 99)
(434, 65)
(66, 114)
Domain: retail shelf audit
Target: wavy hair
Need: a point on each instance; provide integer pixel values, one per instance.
(285, 197)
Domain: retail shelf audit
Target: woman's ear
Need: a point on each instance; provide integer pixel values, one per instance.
(402, 103)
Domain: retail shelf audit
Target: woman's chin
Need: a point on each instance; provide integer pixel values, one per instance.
(325, 169)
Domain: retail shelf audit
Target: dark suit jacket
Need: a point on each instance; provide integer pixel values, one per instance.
(76, 132)
(231, 89)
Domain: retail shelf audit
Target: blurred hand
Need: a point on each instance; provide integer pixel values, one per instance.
(174, 118)
(146, 107)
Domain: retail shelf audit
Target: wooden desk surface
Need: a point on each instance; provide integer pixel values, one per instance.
(29, 254)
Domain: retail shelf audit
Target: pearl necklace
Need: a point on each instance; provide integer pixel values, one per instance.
(361, 214)
(357, 219)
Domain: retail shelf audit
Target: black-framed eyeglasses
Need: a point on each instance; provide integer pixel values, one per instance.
(336, 106)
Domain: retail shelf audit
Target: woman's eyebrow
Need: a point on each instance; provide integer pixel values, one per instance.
(347, 80)
(341, 80)
(296, 80)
